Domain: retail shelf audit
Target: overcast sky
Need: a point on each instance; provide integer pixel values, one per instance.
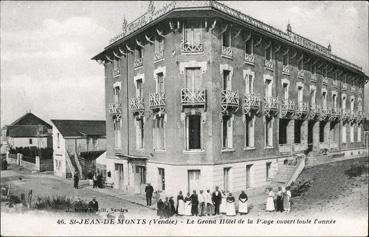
(46, 47)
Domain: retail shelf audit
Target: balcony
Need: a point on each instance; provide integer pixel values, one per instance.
(116, 72)
(335, 114)
(335, 83)
(192, 48)
(251, 102)
(115, 108)
(301, 110)
(158, 56)
(137, 105)
(287, 108)
(344, 86)
(229, 100)
(286, 69)
(353, 88)
(325, 80)
(249, 59)
(345, 117)
(227, 51)
(269, 64)
(324, 114)
(359, 116)
(313, 77)
(353, 117)
(193, 97)
(138, 62)
(313, 112)
(301, 74)
(157, 101)
(270, 105)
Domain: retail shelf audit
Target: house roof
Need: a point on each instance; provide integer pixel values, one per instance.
(27, 131)
(30, 119)
(80, 128)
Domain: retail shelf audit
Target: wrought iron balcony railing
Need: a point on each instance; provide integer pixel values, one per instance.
(192, 48)
(116, 72)
(193, 97)
(251, 102)
(138, 62)
(136, 104)
(249, 59)
(323, 114)
(345, 117)
(353, 116)
(157, 100)
(268, 64)
(301, 74)
(115, 108)
(301, 110)
(313, 111)
(270, 104)
(359, 116)
(229, 99)
(325, 80)
(287, 108)
(227, 51)
(313, 77)
(158, 56)
(286, 69)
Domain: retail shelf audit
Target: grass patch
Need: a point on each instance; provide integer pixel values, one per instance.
(298, 189)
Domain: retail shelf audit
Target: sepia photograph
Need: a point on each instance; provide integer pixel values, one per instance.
(184, 118)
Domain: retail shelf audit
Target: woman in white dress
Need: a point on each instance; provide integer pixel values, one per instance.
(242, 207)
(180, 204)
(187, 205)
(231, 209)
(223, 204)
(270, 200)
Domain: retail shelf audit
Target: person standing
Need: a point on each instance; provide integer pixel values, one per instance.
(166, 210)
(160, 206)
(223, 204)
(270, 200)
(76, 179)
(209, 203)
(194, 203)
(230, 207)
(217, 199)
(180, 204)
(172, 209)
(149, 191)
(242, 207)
(287, 200)
(202, 203)
(99, 180)
(280, 200)
(94, 180)
(188, 206)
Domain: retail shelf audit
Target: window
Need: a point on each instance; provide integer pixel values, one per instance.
(227, 132)
(139, 133)
(285, 91)
(359, 133)
(193, 78)
(30, 141)
(116, 94)
(249, 83)
(193, 132)
(58, 139)
(344, 133)
(193, 180)
(321, 131)
(313, 68)
(352, 104)
(285, 59)
(344, 103)
(117, 133)
(300, 65)
(193, 33)
(298, 127)
(351, 133)
(141, 173)
(226, 38)
(283, 127)
(268, 88)
(268, 170)
(269, 132)
(333, 131)
(139, 89)
(160, 83)
(161, 179)
(226, 80)
(300, 94)
(226, 179)
(115, 67)
(324, 99)
(139, 52)
(312, 97)
(159, 45)
(334, 100)
(249, 131)
(269, 53)
(159, 133)
(249, 47)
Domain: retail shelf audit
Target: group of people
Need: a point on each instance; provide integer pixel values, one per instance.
(281, 201)
(97, 180)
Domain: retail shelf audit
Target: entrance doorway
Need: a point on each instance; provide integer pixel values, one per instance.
(119, 178)
(310, 135)
(248, 176)
(193, 180)
(140, 179)
(161, 179)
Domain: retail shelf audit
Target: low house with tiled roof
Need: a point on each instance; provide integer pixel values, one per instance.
(77, 144)
(29, 131)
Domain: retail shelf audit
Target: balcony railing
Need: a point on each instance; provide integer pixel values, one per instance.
(313, 77)
(157, 100)
(192, 48)
(286, 69)
(116, 72)
(359, 116)
(251, 102)
(227, 51)
(335, 83)
(115, 108)
(229, 99)
(138, 62)
(270, 104)
(268, 64)
(325, 80)
(353, 116)
(249, 59)
(335, 114)
(344, 86)
(193, 97)
(136, 104)
(323, 114)
(302, 109)
(301, 74)
(345, 117)
(313, 111)
(158, 56)
(287, 108)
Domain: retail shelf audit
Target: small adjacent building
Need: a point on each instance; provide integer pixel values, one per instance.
(77, 144)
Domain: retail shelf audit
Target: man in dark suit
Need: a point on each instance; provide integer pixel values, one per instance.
(149, 190)
(93, 205)
(217, 199)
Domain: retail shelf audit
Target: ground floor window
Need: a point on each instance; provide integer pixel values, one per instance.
(193, 180)
(140, 133)
(227, 179)
(321, 131)
(268, 170)
(249, 131)
(351, 133)
(283, 127)
(248, 176)
(141, 174)
(333, 131)
(344, 133)
(269, 132)
(193, 132)
(358, 133)
(117, 133)
(227, 130)
(159, 133)
(161, 179)
(298, 127)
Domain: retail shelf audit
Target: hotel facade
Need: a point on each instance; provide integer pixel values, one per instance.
(199, 95)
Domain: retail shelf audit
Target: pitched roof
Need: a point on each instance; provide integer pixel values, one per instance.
(80, 128)
(27, 131)
(30, 119)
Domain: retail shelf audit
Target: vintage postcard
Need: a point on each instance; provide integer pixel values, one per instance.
(184, 118)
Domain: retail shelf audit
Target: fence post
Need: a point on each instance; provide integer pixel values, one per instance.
(20, 159)
(37, 163)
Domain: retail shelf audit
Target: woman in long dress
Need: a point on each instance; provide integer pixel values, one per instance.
(223, 204)
(231, 209)
(270, 200)
(287, 199)
(280, 200)
(242, 207)
(188, 205)
(180, 204)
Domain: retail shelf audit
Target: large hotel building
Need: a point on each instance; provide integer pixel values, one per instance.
(199, 94)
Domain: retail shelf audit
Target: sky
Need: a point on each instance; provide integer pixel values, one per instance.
(46, 47)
